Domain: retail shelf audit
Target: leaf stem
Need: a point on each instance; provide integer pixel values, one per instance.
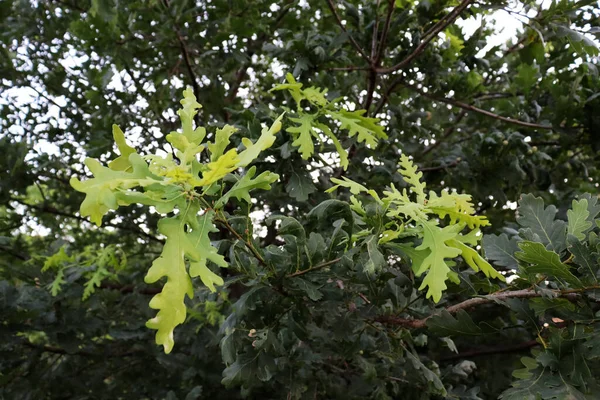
(223, 221)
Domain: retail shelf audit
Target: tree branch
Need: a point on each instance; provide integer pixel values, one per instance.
(470, 107)
(441, 167)
(430, 35)
(354, 43)
(384, 33)
(475, 301)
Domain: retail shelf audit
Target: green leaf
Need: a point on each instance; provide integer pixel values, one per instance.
(429, 375)
(241, 189)
(545, 262)
(501, 249)
(303, 134)
(540, 220)
(578, 216)
(375, 261)
(583, 256)
(580, 42)
(527, 77)
(299, 186)
(412, 176)
(367, 129)
(201, 227)
(338, 146)
(242, 370)
(311, 290)
(101, 190)
(474, 260)
(445, 324)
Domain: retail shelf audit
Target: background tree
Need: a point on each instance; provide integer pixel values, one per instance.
(507, 123)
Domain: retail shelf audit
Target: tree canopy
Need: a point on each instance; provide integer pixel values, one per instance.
(299, 199)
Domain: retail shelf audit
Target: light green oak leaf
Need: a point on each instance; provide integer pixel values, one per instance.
(266, 140)
(434, 240)
(241, 189)
(303, 134)
(101, 191)
(121, 163)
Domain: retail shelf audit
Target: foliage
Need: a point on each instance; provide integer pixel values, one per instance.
(381, 199)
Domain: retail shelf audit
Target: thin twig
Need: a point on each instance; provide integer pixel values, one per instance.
(354, 43)
(248, 244)
(447, 133)
(470, 107)
(384, 33)
(316, 267)
(432, 34)
(441, 167)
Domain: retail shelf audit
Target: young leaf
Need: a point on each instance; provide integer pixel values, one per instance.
(241, 189)
(121, 163)
(266, 140)
(434, 240)
(171, 264)
(303, 134)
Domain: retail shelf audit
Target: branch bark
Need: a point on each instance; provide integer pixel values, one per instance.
(475, 301)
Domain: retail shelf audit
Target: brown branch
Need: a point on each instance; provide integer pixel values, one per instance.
(386, 95)
(20, 256)
(432, 34)
(475, 301)
(316, 267)
(354, 43)
(514, 348)
(470, 107)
